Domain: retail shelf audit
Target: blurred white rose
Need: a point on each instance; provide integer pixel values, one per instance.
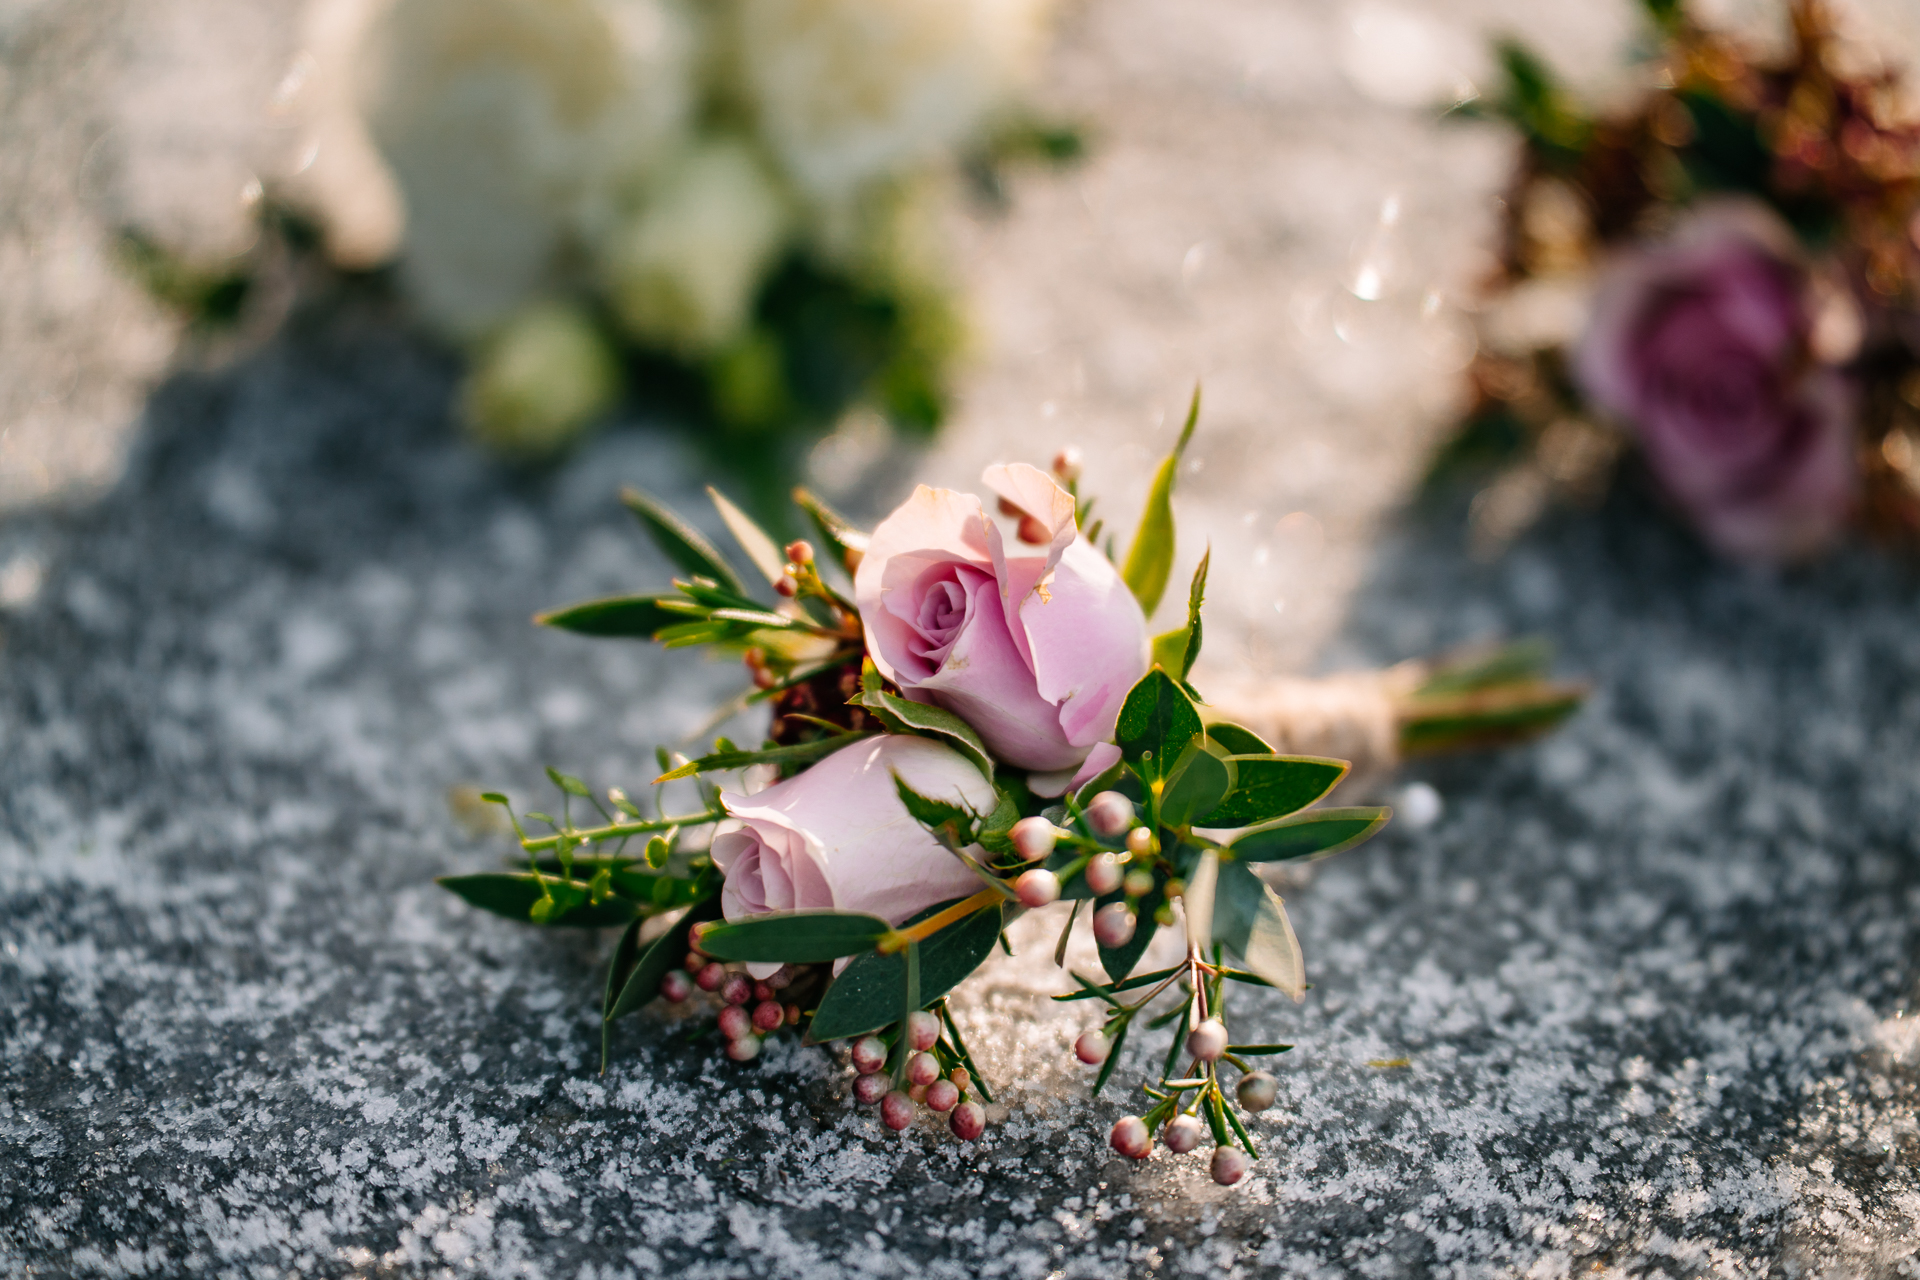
(684, 271)
(846, 91)
(512, 126)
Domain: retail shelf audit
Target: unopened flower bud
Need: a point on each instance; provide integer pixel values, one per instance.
(1257, 1090)
(969, 1121)
(737, 989)
(1033, 838)
(676, 987)
(1092, 1047)
(1139, 842)
(923, 1069)
(1033, 530)
(745, 1049)
(782, 978)
(763, 991)
(917, 1092)
(712, 976)
(767, 1016)
(1131, 1138)
(785, 585)
(694, 963)
(734, 1022)
(1103, 874)
(793, 1015)
(1038, 887)
(868, 1090)
(923, 1029)
(1109, 814)
(799, 551)
(1113, 925)
(1230, 1164)
(869, 1054)
(1183, 1133)
(1208, 1041)
(1139, 882)
(698, 931)
(896, 1110)
(962, 1078)
(942, 1095)
(1066, 464)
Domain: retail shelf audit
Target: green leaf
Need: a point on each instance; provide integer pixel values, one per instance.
(1177, 650)
(1156, 722)
(1238, 739)
(1258, 1050)
(902, 715)
(1199, 782)
(867, 995)
(680, 542)
(996, 827)
(766, 554)
(639, 616)
(634, 977)
(567, 782)
(514, 895)
(847, 539)
(798, 753)
(1321, 831)
(1119, 961)
(933, 813)
(1251, 920)
(1094, 991)
(795, 937)
(1113, 1057)
(1271, 786)
(1150, 558)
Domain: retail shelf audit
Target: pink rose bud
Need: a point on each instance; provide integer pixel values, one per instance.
(1109, 814)
(923, 1029)
(922, 1069)
(869, 1054)
(745, 1049)
(1037, 888)
(1257, 1090)
(942, 1095)
(1033, 838)
(1092, 1047)
(952, 619)
(712, 976)
(1103, 874)
(1139, 842)
(1230, 1164)
(1066, 464)
(1113, 925)
(868, 1090)
(1138, 884)
(799, 551)
(1183, 1133)
(969, 1120)
(1208, 1041)
(676, 987)
(896, 1110)
(734, 1022)
(737, 989)
(768, 1015)
(1131, 1138)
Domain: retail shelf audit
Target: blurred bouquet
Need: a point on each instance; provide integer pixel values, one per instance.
(1725, 276)
(736, 203)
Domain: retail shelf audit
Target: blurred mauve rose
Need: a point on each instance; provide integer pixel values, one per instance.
(1701, 344)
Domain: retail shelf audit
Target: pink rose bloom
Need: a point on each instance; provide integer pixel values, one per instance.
(1033, 646)
(836, 837)
(1701, 345)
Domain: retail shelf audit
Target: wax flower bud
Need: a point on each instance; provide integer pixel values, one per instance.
(735, 1022)
(868, 1090)
(869, 1054)
(712, 976)
(799, 552)
(744, 1049)
(1208, 1041)
(1140, 842)
(737, 989)
(1067, 463)
(969, 1120)
(1033, 838)
(1037, 888)
(961, 1078)
(922, 1069)
(1230, 1164)
(1103, 874)
(943, 1095)
(1139, 882)
(923, 1029)
(768, 1016)
(786, 586)
(1113, 925)
(1184, 1133)
(896, 1110)
(1109, 814)
(1131, 1138)
(1257, 1090)
(1092, 1047)
(676, 987)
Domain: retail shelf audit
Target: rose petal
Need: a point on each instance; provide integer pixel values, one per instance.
(1089, 643)
(933, 527)
(985, 682)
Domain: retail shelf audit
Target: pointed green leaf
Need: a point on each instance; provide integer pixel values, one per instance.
(1202, 891)
(798, 753)
(515, 894)
(1272, 786)
(1196, 597)
(1113, 1057)
(567, 782)
(1318, 831)
(1252, 921)
(903, 715)
(639, 616)
(1238, 739)
(934, 813)
(1094, 991)
(1157, 721)
(848, 540)
(1150, 558)
(680, 542)
(795, 937)
(760, 548)
(639, 971)
(1200, 780)
(867, 994)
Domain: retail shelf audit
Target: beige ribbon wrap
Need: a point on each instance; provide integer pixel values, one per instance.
(1353, 716)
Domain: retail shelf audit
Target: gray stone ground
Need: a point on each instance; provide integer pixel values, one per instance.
(1648, 978)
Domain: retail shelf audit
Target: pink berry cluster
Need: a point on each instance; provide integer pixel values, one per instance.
(1184, 1131)
(1110, 816)
(927, 1066)
(751, 1010)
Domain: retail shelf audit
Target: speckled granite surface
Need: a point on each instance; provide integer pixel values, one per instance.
(1648, 978)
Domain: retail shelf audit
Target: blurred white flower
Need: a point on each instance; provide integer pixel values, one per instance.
(542, 378)
(684, 271)
(846, 91)
(513, 125)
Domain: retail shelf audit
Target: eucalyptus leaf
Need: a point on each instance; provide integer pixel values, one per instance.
(1156, 723)
(1199, 782)
(680, 542)
(638, 974)
(514, 895)
(1251, 920)
(1272, 786)
(638, 616)
(795, 937)
(798, 753)
(867, 994)
(1150, 559)
(761, 549)
(903, 715)
(1237, 739)
(1318, 831)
